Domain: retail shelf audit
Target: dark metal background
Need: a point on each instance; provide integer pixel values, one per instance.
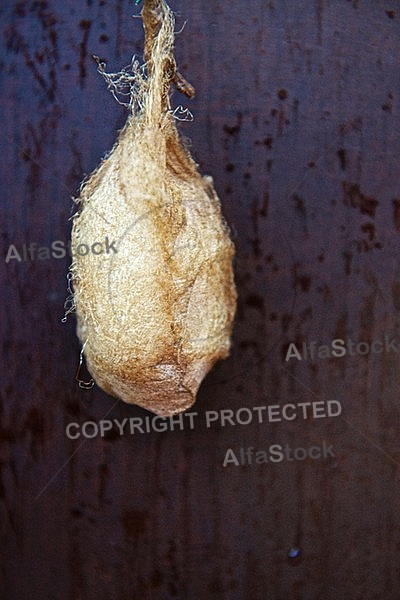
(297, 119)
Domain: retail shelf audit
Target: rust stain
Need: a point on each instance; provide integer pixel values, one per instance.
(85, 26)
(354, 197)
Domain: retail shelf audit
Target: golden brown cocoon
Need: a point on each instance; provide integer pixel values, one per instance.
(157, 313)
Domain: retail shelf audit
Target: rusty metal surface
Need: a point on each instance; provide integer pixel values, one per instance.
(297, 120)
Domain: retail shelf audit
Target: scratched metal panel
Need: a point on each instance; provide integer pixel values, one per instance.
(297, 119)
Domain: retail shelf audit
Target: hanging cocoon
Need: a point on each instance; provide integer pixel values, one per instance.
(155, 309)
